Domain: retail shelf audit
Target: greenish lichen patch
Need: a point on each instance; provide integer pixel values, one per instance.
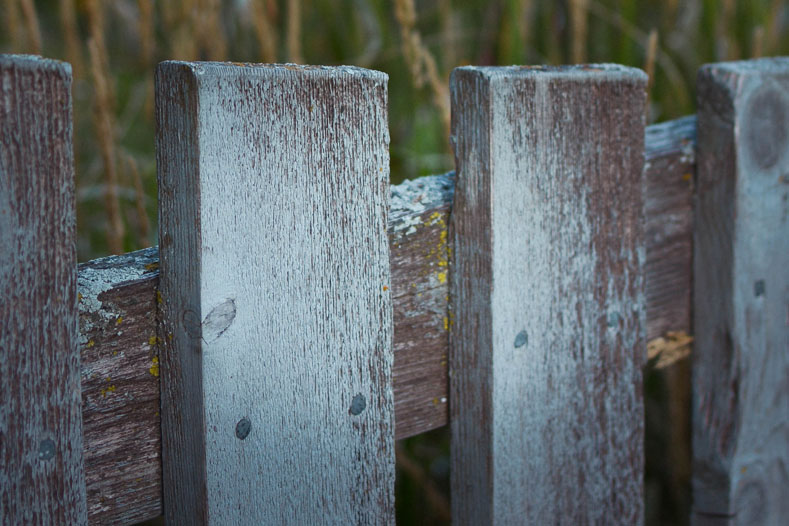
(101, 275)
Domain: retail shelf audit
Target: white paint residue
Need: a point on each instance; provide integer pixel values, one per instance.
(91, 282)
(688, 150)
(412, 197)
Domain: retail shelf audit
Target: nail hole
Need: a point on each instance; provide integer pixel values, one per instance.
(358, 404)
(243, 428)
(758, 288)
(46, 450)
(521, 339)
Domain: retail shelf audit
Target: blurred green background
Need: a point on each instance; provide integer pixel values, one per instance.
(114, 46)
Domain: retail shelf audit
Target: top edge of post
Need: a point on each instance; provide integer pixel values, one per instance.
(36, 62)
(225, 68)
(570, 72)
(754, 66)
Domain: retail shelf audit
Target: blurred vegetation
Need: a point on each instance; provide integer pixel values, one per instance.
(114, 46)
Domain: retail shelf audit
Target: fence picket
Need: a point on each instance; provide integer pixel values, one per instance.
(277, 403)
(42, 479)
(547, 295)
(741, 295)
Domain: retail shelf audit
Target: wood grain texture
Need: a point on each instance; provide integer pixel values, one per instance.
(120, 387)
(741, 295)
(42, 478)
(547, 290)
(123, 455)
(277, 404)
(419, 256)
(668, 209)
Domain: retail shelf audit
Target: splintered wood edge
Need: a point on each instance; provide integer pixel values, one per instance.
(118, 299)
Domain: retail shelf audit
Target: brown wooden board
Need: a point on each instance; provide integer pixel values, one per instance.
(120, 387)
(741, 295)
(127, 459)
(42, 478)
(668, 204)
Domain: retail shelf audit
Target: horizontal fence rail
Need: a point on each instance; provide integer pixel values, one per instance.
(118, 299)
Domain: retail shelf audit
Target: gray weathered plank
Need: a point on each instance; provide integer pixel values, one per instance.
(741, 295)
(122, 425)
(547, 291)
(42, 479)
(277, 403)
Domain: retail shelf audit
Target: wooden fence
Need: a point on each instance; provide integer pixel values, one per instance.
(300, 315)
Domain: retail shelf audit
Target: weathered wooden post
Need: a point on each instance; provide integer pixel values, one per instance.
(42, 479)
(547, 292)
(277, 402)
(741, 295)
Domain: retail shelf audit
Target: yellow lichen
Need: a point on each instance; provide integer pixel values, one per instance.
(119, 320)
(438, 256)
(159, 297)
(90, 344)
(153, 340)
(109, 389)
(154, 369)
(152, 266)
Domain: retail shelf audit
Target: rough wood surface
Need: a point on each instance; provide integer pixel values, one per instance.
(741, 295)
(418, 251)
(120, 387)
(277, 312)
(668, 203)
(547, 291)
(42, 477)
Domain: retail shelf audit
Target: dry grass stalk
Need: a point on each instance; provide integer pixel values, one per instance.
(146, 31)
(12, 24)
(669, 349)
(68, 23)
(649, 63)
(524, 22)
(662, 59)
(104, 122)
(32, 26)
(775, 25)
(447, 32)
(757, 42)
(727, 45)
(142, 222)
(294, 32)
(147, 34)
(264, 31)
(437, 501)
(207, 29)
(177, 17)
(420, 61)
(579, 23)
